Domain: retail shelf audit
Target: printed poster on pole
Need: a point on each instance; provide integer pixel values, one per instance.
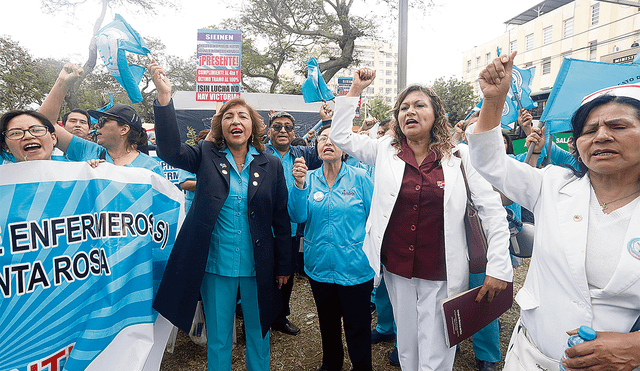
(218, 74)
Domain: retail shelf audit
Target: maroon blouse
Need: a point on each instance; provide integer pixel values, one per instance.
(413, 244)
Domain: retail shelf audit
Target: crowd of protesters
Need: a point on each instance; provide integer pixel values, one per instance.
(384, 220)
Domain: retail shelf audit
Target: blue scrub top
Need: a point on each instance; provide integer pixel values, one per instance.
(84, 150)
(231, 248)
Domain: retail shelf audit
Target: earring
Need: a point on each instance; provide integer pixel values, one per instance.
(580, 160)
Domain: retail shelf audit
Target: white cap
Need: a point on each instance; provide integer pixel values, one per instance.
(630, 91)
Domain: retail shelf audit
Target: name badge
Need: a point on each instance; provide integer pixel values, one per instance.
(634, 248)
(318, 196)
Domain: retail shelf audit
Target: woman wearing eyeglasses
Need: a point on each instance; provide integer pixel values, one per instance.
(26, 136)
(334, 201)
(121, 139)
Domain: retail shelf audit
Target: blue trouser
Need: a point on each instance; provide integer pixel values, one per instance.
(384, 312)
(219, 298)
(486, 342)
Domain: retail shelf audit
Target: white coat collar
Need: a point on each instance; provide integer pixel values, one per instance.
(451, 171)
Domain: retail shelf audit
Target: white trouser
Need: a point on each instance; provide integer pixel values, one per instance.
(416, 310)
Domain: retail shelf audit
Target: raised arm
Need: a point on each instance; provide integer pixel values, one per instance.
(51, 106)
(297, 205)
(361, 147)
(494, 81)
(169, 147)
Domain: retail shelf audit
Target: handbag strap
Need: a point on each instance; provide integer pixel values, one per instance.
(466, 182)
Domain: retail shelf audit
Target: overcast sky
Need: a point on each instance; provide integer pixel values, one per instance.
(436, 42)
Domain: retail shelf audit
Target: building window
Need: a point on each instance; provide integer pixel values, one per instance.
(380, 90)
(547, 35)
(388, 90)
(593, 50)
(546, 66)
(389, 64)
(568, 28)
(528, 42)
(381, 63)
(487, 59)
(478, 62)
(468, 66)
(389, 72)
(388, 81)
(595, 14)
(513, 46)
(528, 65)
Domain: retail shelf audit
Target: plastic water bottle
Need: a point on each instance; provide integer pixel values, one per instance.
(585, 333)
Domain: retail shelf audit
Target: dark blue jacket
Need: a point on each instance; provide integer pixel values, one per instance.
(269, 223)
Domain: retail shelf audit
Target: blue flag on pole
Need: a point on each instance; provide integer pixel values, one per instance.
(577, 79)
(521, 86)
(113, 41)
(509, 112)
(314, 89)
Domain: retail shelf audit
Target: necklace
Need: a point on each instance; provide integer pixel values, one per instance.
(119, 157)
(603, 205)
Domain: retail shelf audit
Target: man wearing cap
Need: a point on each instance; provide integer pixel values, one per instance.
(281, 132)
(77, 122)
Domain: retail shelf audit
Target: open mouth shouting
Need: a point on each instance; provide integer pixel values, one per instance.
(603, 153)
(237, 132)
(31, 147)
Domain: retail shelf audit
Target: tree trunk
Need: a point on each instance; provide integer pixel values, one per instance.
(72, 96)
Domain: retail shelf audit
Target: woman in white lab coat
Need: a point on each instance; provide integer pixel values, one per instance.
(416, 223)
(585, 268)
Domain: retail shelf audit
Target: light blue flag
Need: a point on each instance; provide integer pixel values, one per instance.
(509, 112)
(577, 79)
(106, 107)
(113, 41)
(521, 86)
(82, 252)
(314, 89)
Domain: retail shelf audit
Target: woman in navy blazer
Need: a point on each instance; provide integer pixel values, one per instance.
(205, 242)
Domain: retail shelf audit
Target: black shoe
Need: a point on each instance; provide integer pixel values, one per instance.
(288, 328)
(393, 357)
(377, 337)
(486, 366)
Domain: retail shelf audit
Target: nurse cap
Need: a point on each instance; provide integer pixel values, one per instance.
(630, 91)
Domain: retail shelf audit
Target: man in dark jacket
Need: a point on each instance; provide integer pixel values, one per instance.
(281, 132)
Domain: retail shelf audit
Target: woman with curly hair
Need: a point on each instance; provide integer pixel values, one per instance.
(416, 224)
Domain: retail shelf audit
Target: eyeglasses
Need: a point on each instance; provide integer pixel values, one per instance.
(103, 120)
(278, 127)
(16, 134)
(322, 138)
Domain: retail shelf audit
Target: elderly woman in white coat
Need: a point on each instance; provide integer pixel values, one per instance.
(416, 223)
(585, 268)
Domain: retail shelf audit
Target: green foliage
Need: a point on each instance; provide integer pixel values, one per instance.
(279, 32)
(457, 96)
(24, 81)
(378, 108)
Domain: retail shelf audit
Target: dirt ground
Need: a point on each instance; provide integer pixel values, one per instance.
(304, 352)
